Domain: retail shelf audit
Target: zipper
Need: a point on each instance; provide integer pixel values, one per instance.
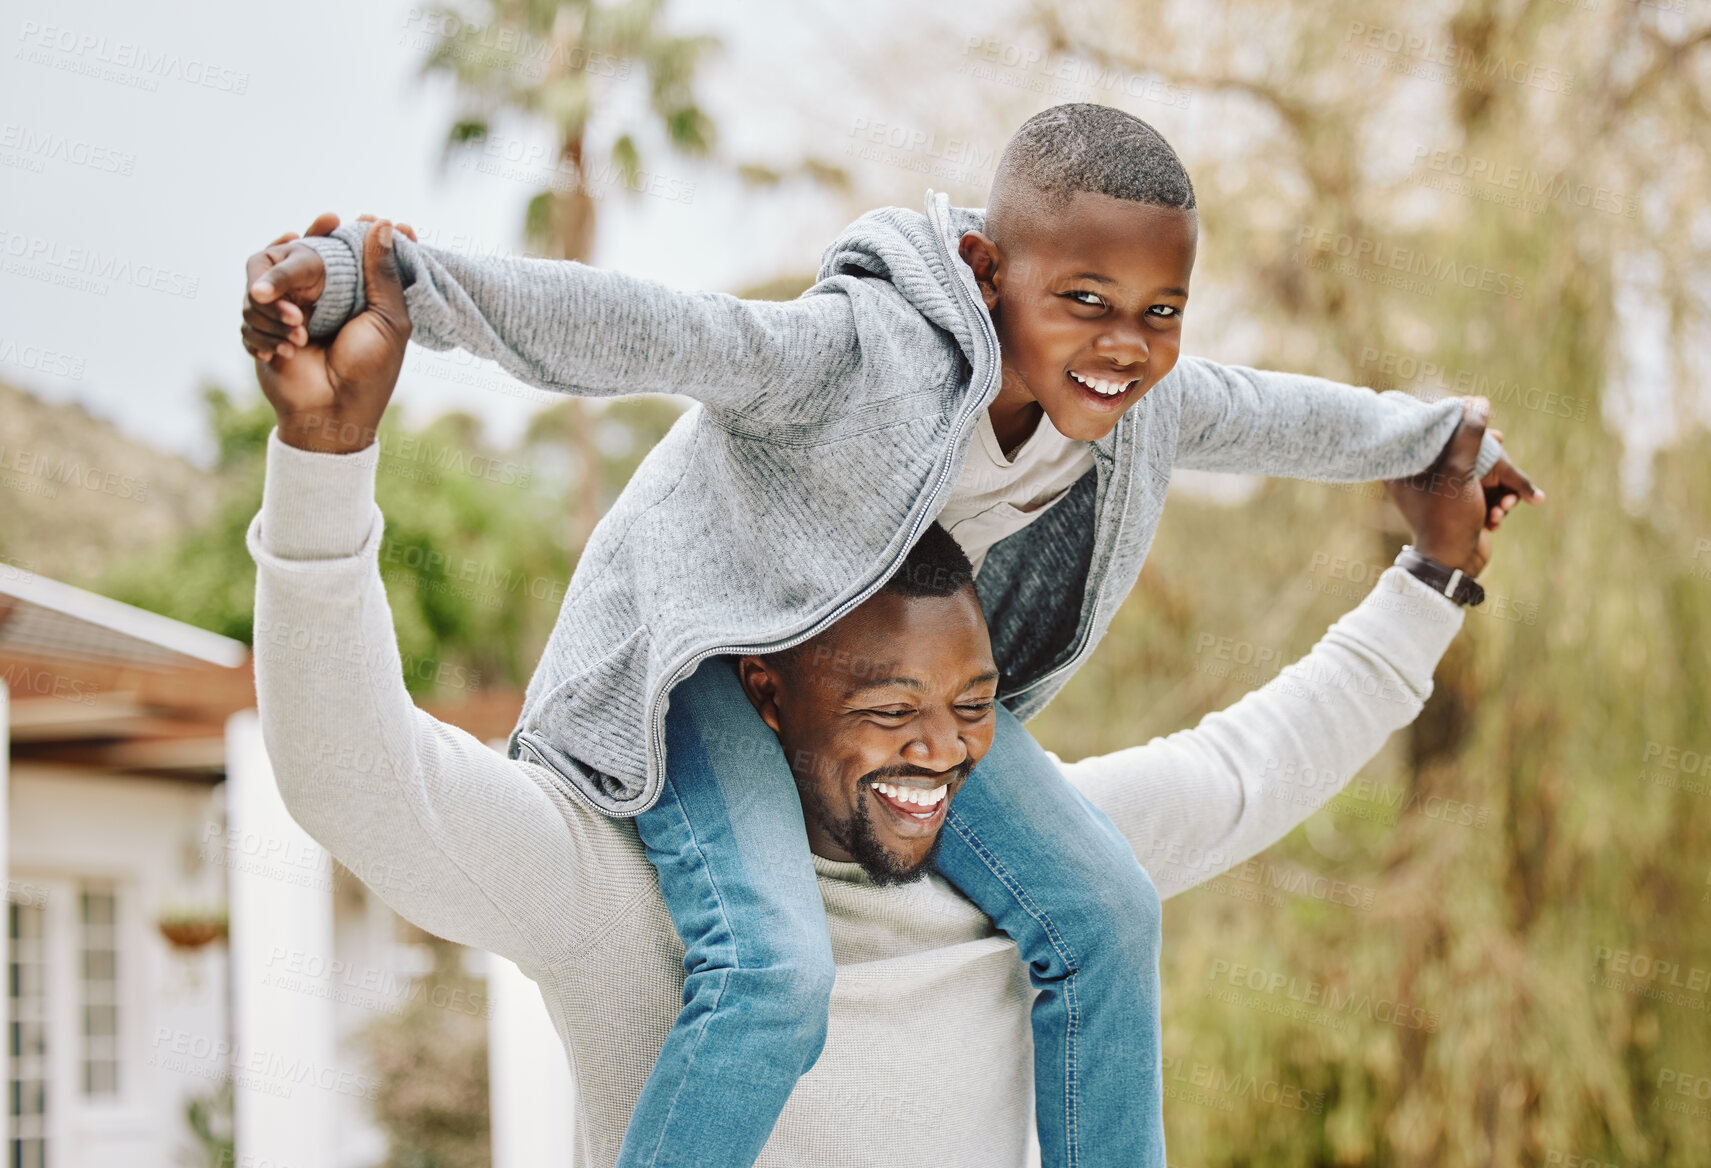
(656, 722)
(525, 739)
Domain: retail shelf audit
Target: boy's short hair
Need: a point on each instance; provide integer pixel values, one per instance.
(935, 566)
(1085, 147)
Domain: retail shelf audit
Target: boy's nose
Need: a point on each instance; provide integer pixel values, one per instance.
(1124, 345)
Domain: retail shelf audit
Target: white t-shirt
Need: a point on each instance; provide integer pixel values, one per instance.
(996, 496)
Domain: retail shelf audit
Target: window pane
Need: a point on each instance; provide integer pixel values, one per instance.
(100, 986)
(99, 965)
(26, 1068)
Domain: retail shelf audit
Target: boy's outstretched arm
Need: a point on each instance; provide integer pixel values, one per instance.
(1201, 801)
(568, 327)
(1253, 421)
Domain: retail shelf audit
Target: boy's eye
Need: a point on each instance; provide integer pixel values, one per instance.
(1092, 299)
(976, 709)
(903, 713)
(1168, 311)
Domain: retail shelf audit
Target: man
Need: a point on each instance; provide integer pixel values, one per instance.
(882, 716)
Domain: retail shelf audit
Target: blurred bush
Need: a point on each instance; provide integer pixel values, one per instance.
(1494, 198)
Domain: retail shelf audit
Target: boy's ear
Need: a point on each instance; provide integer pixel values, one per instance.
(984, 258)
(760, 682)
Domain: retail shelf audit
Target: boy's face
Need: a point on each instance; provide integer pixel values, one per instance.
(1088, 302)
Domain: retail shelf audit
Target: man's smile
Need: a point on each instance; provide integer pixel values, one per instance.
(915, 810)
(912, 812)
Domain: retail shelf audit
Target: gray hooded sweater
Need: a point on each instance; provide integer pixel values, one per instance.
(828, 433)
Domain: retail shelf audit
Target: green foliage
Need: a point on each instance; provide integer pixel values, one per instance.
(1532, 854)
(555, 61)
(478, 544)
(207, 578)
(209, 1118)
(430, 1061)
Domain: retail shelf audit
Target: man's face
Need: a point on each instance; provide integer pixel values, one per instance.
(881, 718)
(1088, 302)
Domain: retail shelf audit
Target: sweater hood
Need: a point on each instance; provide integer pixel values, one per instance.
(917, 252)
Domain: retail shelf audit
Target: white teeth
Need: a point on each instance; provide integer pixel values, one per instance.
(913, 795)
(1102, 387)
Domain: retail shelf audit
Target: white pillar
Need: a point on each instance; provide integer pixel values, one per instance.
(286, 1074)
(528, 1074)
(5, 847)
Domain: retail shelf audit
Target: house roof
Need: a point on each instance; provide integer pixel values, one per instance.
(44, 618)
(94, 682)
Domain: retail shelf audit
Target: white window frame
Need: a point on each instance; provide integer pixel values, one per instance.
(73, 1117)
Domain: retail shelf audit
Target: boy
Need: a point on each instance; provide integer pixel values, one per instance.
(1013, 375)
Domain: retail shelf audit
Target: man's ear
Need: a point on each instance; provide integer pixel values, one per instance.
(983, 256)
(760, 681)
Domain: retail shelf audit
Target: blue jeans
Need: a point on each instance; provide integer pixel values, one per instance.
(1048, 867)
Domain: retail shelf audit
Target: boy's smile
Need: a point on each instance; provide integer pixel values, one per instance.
(1088, 299)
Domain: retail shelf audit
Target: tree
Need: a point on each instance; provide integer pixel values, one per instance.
(472, 554)
(430, 1063)
(552, 61)
(1492, 197)
(559, 63)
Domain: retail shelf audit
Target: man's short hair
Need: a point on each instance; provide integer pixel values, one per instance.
(935, 566)
(1085, 147)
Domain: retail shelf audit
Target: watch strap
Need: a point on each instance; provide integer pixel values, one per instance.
(1452, 582)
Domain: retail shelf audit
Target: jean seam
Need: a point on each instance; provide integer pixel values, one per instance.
(1072, 1006)
(724, 979)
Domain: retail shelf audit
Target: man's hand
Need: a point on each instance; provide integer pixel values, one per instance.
(1445, 506)
(330, 399)
(284, 280)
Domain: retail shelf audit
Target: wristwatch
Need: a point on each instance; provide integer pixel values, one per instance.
(1452, 582)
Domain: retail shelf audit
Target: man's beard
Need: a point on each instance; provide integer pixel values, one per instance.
(856, 834)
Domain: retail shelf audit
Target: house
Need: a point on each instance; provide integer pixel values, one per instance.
(180, 953)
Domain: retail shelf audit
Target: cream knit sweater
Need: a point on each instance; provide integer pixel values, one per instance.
(928, 1061)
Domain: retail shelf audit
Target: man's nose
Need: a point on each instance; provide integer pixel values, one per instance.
(938, 744)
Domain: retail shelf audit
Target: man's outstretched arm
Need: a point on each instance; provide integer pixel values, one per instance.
(464, 842)
(1198, 802)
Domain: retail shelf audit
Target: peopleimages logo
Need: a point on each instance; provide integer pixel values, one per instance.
(1410, 262)
(52, 473)
(1324, 1002)
(85, 268)
(125, 61)
(1455, 61)
(1523, 182)
(50, 362)
(41, 146)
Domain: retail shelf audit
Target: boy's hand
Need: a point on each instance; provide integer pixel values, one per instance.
(330, 399)
(284, 280)
(1505, 485)
(1445, 506)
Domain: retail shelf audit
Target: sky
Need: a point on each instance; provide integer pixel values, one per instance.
(146, 150)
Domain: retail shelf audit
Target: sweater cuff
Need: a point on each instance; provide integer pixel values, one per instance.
(343, 296)
(1490, 450)
(1412, 619)
(317, 506)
